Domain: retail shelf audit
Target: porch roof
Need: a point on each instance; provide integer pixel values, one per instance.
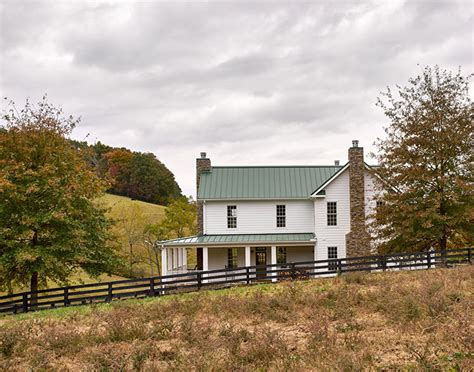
(240, 239)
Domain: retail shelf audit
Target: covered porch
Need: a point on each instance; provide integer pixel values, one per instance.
(219, 252)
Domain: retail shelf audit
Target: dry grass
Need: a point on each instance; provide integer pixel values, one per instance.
(406, 320)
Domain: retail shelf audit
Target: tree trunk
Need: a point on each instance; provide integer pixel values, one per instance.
(34, 289)
(131, 258)
(34, 276)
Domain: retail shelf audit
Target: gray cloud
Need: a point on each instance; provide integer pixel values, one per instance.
(263, 83)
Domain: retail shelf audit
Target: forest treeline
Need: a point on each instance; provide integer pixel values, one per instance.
(134, 174)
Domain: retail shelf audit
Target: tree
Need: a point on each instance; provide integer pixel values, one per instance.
(130, 224)
(50, 224)
(180, 218)
(151, 181)
(118, 162)
(153, 233)
(426, 163)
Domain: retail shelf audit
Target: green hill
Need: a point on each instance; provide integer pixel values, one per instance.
(116, 203)
(411, 320)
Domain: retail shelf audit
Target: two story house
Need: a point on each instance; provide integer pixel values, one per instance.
(257, 215)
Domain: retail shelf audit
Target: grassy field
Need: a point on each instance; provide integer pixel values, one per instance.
(152, 212)
(417, 320)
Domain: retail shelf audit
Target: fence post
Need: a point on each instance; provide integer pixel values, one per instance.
(469, 255)
(25, 302)
(199, 280)
(109, 295)
(66, 296)
(384, 262)
(339, 267)
(293, 271)
(428, 259)
(152, 287)
(247, 269)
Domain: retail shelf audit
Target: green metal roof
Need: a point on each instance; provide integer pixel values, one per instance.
(240, 239)
(277, 182)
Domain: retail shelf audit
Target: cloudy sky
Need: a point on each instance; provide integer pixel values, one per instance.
(248, 82)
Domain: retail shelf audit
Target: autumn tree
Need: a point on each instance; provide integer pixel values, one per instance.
(50, 224)
(179, 221)
(426, 164)
(130, 226)
(180, 218)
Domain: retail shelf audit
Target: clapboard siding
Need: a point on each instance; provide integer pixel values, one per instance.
(259, 217)
(370, 194)
(338, 191)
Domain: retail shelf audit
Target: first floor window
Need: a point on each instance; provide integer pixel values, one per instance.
(231, 216)
(332, 254)
(232, 258)
(281, 215)
(332, 213)
(281, 255)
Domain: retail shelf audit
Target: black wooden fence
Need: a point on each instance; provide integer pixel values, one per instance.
(195, 280)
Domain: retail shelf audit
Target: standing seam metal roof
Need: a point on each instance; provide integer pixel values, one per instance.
(264, 182)
(241, 238)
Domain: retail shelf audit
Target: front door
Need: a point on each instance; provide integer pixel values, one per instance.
(261, 260)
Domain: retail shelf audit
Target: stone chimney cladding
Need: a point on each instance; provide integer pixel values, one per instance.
(357, 240)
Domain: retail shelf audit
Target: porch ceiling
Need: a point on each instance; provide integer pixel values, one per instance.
(242, 239)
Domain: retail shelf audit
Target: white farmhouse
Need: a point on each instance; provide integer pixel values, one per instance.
(259, 215)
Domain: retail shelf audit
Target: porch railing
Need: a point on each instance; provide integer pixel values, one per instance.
(196, 280)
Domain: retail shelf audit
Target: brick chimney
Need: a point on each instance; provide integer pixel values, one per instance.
(357, 240)
(203, 164)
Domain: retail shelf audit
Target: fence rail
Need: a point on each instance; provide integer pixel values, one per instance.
(190, 281)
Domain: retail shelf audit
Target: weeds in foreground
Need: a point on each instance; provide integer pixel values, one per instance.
(417, 320)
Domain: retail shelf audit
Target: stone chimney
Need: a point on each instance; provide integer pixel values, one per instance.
(357, 240)
(203, 164)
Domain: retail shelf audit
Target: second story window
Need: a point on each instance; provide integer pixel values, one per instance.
(281, 215)
(231, 216)
(332, 213)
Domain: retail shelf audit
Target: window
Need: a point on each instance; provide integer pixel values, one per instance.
(281, 215)
(231, 216)
(232, 258)
(332, 253)
(281, 255)
(332, 213)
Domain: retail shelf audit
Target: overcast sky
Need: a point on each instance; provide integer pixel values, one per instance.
(250, 83)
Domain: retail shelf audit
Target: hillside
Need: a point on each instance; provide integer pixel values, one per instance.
(131, 217)
(116, 203)
(405, 320)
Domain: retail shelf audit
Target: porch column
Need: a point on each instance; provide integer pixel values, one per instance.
(180, 257)
(247, 257)
(185, 258)
(205, 261)
(164, 261)
(315, 256)
(274, 261)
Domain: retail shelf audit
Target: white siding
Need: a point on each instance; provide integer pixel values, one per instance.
(369, 191)
(333, 236)
(259, 217)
